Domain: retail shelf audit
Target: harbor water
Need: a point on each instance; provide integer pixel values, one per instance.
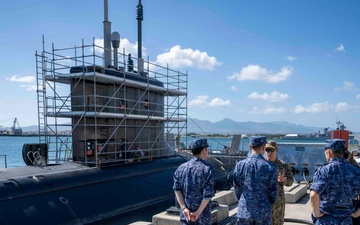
(11, 150)
(11, 147)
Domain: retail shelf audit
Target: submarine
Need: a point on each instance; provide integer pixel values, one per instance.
(122, 113)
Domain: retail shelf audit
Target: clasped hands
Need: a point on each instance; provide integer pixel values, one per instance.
(191, 216)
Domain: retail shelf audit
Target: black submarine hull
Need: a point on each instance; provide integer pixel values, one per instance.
(83, 195)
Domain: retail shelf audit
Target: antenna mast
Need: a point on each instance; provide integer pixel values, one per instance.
(107, 37)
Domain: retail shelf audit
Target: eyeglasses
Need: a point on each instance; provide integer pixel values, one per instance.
(270, 149)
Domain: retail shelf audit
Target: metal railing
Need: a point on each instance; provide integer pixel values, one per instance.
(5, 160)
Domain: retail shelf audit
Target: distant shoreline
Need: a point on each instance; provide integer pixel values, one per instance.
(30, 135)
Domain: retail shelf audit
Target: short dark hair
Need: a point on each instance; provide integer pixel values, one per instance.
(339, 153)
(257, 147)
(197, 151)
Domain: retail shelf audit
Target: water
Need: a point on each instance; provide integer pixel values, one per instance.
(218, 143)
(11, 146)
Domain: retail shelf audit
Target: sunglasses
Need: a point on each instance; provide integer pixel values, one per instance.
(270, 150)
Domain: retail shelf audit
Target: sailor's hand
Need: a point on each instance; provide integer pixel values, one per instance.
(194, 216)
(187, 213)
(281, 178)
(355, 214)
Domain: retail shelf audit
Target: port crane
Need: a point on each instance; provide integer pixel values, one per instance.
(15, 128)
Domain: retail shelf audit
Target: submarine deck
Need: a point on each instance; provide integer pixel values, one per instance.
(11, 173)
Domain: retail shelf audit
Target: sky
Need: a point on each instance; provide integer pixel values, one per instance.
(262, 61)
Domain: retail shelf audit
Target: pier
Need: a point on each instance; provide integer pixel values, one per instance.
(224, 208)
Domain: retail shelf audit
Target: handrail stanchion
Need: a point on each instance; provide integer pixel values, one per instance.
(5, 161)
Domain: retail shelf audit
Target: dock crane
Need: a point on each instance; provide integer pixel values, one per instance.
(16, 129)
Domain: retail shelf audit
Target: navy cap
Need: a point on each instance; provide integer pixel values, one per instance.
(200, 143)
(336, 144)
(257, 140)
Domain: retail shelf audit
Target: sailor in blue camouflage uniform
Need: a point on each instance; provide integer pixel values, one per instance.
(255, 185)
(334, 187)
(194, 186)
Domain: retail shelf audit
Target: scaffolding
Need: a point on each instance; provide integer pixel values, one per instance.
(108, 113)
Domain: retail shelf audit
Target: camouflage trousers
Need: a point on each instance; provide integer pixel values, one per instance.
(278, 212)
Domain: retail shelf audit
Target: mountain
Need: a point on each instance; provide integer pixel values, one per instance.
(30, 128)
(228, 126)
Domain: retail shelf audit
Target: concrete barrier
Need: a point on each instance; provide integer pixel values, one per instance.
(219, 213)
(295, 192)
(227, 206)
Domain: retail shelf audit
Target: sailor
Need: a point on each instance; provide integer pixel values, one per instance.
(285, 178)
(334, 187)
(139, 152)
(255, 185)
(194, 186)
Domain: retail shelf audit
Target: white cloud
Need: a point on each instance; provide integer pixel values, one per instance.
(340, 48)
(27, 79)
(342, 107)
(325, 107)
(314, 108)
(202, 101)
(178, 57)
(268, 110)
(291, 58)
(233, 88)
(358, 97)
(255, 72)
(28, 82)
(348, 86)
(199, 101)
(219, 102)
(124, 44)
(29, 87)
(274, 96)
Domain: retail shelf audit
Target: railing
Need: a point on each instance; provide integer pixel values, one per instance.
(5, 161)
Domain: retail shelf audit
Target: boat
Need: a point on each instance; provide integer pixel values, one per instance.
(111, 106)
(305, 155)
(319, 136)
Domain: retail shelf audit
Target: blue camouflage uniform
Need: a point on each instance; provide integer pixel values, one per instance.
(256, 187)
(337, 184)
(195, 179)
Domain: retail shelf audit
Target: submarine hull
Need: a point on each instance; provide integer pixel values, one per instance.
(85, 195)
(76, 194)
